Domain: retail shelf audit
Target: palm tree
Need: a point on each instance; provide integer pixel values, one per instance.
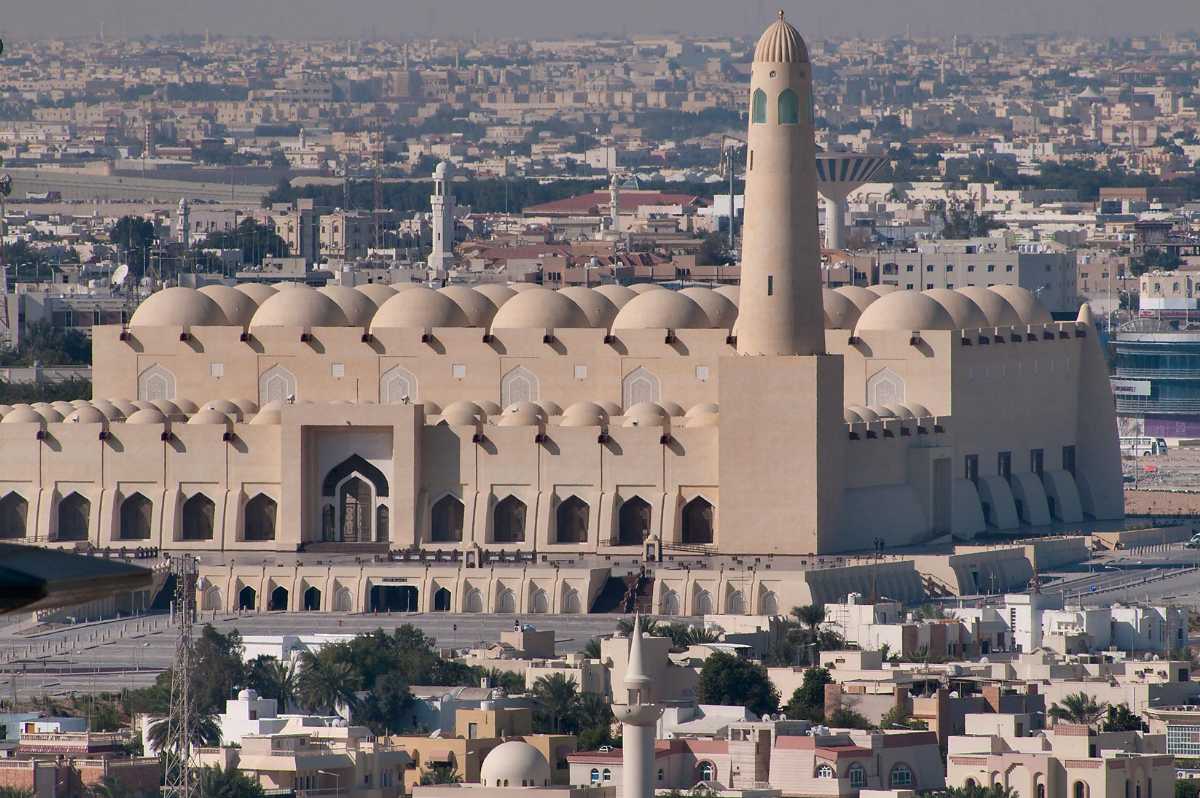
(205, 731)
(440, 773)
(233, 783)
(810, 616)
(698, 636)
(15, 792)
(591, 649)
(279, 682)
(557, 696)
(107, 787)
(1078, 708)
(649, 627)
(324, 684)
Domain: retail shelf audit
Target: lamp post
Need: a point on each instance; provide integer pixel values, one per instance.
(337, 782)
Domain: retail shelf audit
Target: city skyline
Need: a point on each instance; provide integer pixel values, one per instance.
(540, 18)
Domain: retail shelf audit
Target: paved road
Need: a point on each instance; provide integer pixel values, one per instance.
(110, 656)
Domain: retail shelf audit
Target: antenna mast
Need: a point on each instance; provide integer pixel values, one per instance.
(178, 782)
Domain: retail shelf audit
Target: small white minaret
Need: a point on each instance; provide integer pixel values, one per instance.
(614, 204)
(442, 205)
(638, 715)
(184, 223)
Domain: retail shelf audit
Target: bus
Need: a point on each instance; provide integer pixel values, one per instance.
(1134, 446)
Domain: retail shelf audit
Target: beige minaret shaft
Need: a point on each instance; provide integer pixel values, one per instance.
(780, 298)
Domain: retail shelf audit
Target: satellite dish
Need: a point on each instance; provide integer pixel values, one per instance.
(121, 273)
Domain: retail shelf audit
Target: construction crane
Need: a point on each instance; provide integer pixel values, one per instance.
(178, 781)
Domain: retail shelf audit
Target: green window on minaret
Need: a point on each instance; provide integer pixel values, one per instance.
(789, 108)
(758, 107)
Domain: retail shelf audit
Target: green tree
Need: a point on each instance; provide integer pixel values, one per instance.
(846, 718)
(15, 792)
(1187, 788)
(1120, 718)
(218, 670)
(975, 791)
(556, 696)
(900, 717)
(134, 237)
(440, 773)
(325, 683)
(205, 731)
(273, 679)
(387, 705)
(591, 649)
(1077, 708)
(109, 787)
(726, 679)
(808, 700)
(256, 241)
(217, 783)
(48, 345)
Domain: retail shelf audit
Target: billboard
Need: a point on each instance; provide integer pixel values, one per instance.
(1122, 387)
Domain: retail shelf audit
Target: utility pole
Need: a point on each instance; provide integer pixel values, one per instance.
(5, 190)
(177, 781)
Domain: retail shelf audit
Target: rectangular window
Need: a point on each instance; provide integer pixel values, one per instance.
(929, 268)
(971, 467)
(908, 268)
(770, 285)
(338, 370)
(909, 286)
(458, 371)
(580, 372)
(1008, 268)
(702, 373)
(950, 267)
(928, 286)
(1068, 459)
(1036, 461)
(1004, 465)
(971, 268)
(991, 268)
(216, 370)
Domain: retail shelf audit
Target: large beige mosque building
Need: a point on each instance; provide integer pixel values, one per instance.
(508, 444)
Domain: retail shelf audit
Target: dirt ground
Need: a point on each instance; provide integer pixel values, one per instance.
(1163, 484)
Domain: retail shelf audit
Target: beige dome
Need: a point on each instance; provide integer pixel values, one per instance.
(781, 44)
(86, 415)
(549, 408)
(376, 292)
(499, 294)
(126, 407)
(966, 314)
(539, 309)
(140, 404)
(720, 311)
(357, 306)
(883, 290)
(701, 409)
(612, 408)
(905, 311)
(247, 407)
(661, 309)
(65, 408)
(584, 414)
(478, 309)
(521, 288)
(918, 411)
(23, 414)
(78, 403)
(599, 309)
(619, 295)
(224, 407)
(703, 420)
(419, 308)
(899, 411)
(462, 414)
(731, 292)
(167, 408)
(646, 414)
(51, 415)
(514, 764)
(299, 307)
(150, 416)
(643, 288)
(995, 307)
(237, 306)
(259, 292)
(522, 414)
(186, 405)
(5, 409)
(674, 409)
(271, 414)
(110, 411)
(209, 416)
(1025, 303)
(851, 416)
(489, 407)
(177, 307)
(398, 287)
(881, 411)
(840, 311)
(861, 297)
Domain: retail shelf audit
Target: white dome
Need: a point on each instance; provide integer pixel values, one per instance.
(515, 764)
(419, 308)
(177, 307)
(299, 306)
(539, 308)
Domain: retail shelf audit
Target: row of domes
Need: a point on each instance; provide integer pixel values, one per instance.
(410, 306)
(860, 414)
(462, 413)
(887, 307)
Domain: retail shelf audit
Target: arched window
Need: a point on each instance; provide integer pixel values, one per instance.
(825, 771)
(789, 108)
(74, 514)
(397, 385)
(594, 776)
(1041, 790)
(247, 598)
(571, 520)
(758, 107)
(1079, 790)
(441, 600)
(506, 602)
(698, 522)
(198, 512)
(156, 383)
(633, 522)
(901, 776)
(312, 599)
(260, 518)
(607, 774)
(354, 499)
(13, 512)
(640, 385)
(382, 517)
(857, 775)
(508, 524)
(136, 513)
(519, 385)
(706, 771)
(276, 384)
(446, 521)
(279, 600)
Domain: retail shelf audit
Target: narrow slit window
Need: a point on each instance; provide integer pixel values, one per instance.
(770, 285)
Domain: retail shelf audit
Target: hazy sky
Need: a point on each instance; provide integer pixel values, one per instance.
(815, 18)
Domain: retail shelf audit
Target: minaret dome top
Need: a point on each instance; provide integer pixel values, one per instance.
(781, 44)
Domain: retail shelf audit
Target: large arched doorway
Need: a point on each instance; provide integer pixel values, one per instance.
(312, 599)
(354, 510)
(14, 511)
(441, 600)
(136, 512)
(394, 598)
(198, 514)
(74, 514)
(698, 522)
(633, 522)
(446, 521)
(509, 521)
(247, 598)
(279, 600)
(571, 520)
(260, 518)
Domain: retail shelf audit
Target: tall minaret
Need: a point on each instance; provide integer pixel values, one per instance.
(638, 715)
(442, 205)
(183, 220)
(780, 308)
(614, 204)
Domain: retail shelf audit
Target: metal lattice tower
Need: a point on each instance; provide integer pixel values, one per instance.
(178, 782)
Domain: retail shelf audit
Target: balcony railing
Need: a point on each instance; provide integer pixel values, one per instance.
(1158, 374)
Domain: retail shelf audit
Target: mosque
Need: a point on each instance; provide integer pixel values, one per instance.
(507, 444)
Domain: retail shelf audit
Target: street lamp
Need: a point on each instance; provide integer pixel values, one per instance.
(337, 782)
